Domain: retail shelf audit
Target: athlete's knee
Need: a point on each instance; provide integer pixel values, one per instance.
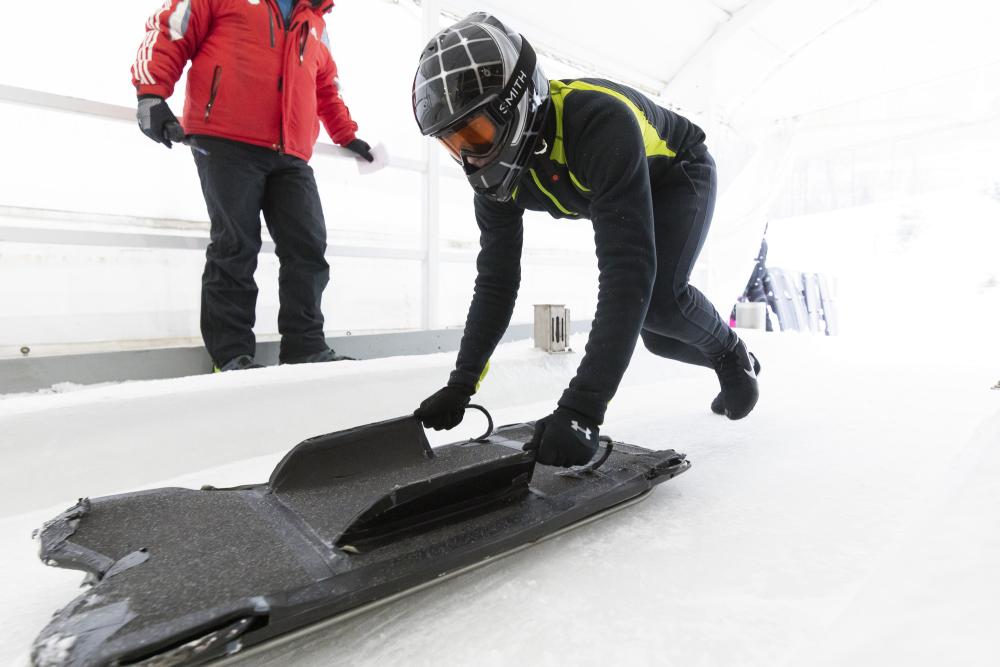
(670, 315)
(657, 344)
(649, 340)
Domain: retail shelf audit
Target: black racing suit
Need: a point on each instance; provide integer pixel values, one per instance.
(643, 176)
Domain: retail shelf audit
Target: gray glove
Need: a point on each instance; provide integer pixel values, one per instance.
(158, 122)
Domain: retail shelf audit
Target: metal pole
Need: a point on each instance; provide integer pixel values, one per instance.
(432, 194)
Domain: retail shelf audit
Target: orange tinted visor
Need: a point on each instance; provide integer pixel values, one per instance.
(476, 136)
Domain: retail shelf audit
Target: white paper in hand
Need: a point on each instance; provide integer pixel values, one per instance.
(381, 160)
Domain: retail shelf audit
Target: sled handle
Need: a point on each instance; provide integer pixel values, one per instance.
(489, 422)
(609, 446)
(581, 472)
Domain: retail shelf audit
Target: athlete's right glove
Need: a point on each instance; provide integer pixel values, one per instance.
(565, 438)
(444, 409)
(157, 121)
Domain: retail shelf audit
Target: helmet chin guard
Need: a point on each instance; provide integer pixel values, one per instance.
(479, 90)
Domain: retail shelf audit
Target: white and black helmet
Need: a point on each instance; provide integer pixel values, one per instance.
(479, 90)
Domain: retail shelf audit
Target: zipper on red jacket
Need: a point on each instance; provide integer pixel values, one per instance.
(303, 40)
(270, 23)
(280, 147)
(215, 90)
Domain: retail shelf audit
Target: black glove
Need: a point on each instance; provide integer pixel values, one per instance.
(157, 121)
(361, 148)
(444, 409)
(565, 438)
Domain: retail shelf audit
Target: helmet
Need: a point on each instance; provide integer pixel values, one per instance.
(479, 92)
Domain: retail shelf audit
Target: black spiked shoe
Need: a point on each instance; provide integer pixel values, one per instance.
(737, 371)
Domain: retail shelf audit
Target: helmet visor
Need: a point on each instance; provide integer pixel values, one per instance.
(476, 136)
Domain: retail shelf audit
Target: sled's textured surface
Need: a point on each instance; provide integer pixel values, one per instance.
(183, 576)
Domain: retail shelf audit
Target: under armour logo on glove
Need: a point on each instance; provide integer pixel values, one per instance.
(557, 439)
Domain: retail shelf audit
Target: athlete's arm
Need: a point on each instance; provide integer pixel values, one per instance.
(497, 282)
(609, 157)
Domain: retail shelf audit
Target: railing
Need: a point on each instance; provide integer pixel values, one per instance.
(19, 224)
(166, 234)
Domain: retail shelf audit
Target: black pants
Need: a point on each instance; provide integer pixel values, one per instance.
(681, 322)
(239, 182)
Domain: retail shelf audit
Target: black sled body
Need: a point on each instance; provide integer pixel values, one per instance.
(183, 577)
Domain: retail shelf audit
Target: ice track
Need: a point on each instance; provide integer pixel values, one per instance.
(854, 518)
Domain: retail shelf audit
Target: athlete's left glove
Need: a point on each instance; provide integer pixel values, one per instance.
(445, 408)
(157, 121)
(565, 438)
(363, 150)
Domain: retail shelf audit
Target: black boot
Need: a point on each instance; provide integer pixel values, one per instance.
(737, 371)
(240, 363)
(318, 357)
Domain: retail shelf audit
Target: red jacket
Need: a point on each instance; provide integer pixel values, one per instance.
(251, 80)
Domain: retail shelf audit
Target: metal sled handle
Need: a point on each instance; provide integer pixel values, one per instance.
(489, 422)
(608, 443)
(609, 446)
(580, 472)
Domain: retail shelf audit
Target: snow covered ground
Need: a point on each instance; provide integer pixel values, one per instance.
(853, 519)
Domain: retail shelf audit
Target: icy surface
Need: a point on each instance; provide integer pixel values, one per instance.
(854, 518)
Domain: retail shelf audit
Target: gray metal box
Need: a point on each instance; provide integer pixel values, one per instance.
(552, 327)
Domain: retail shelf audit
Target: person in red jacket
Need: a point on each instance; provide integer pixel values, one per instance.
(261, 80)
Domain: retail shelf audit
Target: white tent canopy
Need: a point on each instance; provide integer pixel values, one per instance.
(809, 106)
(760, 61)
